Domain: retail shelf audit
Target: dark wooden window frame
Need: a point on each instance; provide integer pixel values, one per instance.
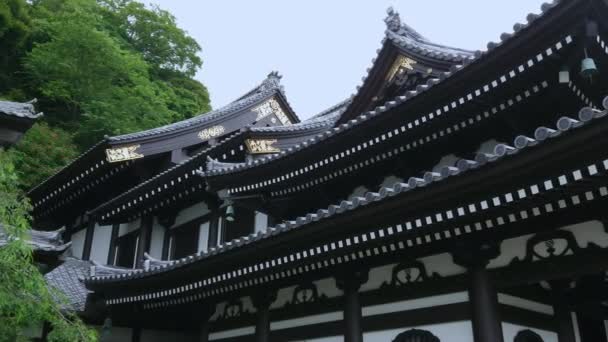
(168, 243)
(116, 252)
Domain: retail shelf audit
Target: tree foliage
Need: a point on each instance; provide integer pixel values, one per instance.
(49, 157)
(25, 299)
(98, 67)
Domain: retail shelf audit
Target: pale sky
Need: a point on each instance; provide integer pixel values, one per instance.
(323, 48)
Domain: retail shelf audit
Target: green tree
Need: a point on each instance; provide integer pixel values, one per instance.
(25, 300)
(97, 67)
(14, 32)
(36, 159)
(153, 33)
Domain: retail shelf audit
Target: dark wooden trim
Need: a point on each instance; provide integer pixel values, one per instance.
(145, 233)
(88, 240)
(113, 240)
(532, 319)
(166, 243)
(213, 230)
(136, 335)
(484, 306)
(172, 231)
(394, 320)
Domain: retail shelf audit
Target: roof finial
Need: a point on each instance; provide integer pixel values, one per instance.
(392, 20)
(273, 80)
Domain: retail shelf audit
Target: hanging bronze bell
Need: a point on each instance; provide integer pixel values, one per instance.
(230, 213)
(588, 67)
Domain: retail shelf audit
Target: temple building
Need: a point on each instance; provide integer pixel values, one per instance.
(456, 196)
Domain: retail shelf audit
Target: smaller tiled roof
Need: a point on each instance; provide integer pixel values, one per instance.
(41, 241)
(18, 109)
(408, 39)
(326, 118)
(270, 86)
(68, 278)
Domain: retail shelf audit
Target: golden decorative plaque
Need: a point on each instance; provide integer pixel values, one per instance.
(259, 146)
(399, 65)
(211, 132)
(123, 153)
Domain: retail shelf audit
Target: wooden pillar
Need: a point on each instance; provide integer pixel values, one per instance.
(487, 325)
(136, 335)
(350, 282)
(262, 302)
(206, 312)
(88, 240)
(564, 324)
(145, 233)
(213, 231)
(113, 240)
(562, 314)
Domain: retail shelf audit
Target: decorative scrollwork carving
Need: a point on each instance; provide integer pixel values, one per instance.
(233, 309)
(407, 273)
(553, 244)
(306, 293)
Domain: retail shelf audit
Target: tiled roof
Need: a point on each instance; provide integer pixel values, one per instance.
(21, 110)
(270, 86)
(322, 120)
(327, 118)
(68, 278)
(408, 39)
(41, 241)
(586, 116)
(389, 105)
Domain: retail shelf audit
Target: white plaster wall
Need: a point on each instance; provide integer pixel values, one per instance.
(232, 333)
(203, 237)
(418, 303)
(261, 222)
(164, 336)
(126, 228)
(324, 339)
(525, 304)
(589, 232)
(101, 244)
(328, 287)
(452, 332)
(190, 213)
(307, 320)
(510, 330)
(443, 264)
(378, 276)
(78, 243)
(157, 239)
